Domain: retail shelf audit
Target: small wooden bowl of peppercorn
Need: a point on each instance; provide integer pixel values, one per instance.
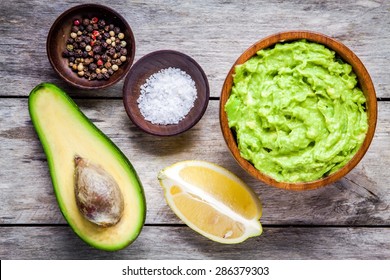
(91, 46)
(165, 93)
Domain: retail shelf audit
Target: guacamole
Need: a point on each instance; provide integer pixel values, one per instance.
(297, 111)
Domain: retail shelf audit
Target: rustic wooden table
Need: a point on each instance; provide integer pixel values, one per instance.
(346, 220)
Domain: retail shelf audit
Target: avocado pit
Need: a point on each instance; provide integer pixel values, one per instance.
(98, 196)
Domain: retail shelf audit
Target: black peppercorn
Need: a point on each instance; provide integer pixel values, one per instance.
(99, 76)
(87, 40)
(85, 21)
(117, 30)
(78, 53)
(110, 51)
(101, 23)
(104, 57)
(89, 28)
(95, 26)
(75, 28)
(97, 49)
(92, 67)
(111, 27)
(123, 51)
(104, 45)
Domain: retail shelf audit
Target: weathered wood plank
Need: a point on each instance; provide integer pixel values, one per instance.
(182, 243)
(214, 33)
(26, 195)
(347, 220)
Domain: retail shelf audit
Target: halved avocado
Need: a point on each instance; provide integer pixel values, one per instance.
(65, 133)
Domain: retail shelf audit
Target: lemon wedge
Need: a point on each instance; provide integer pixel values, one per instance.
(212, 201)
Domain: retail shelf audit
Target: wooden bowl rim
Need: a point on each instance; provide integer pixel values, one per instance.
(173, 129)
(74, 82)
(365, 84)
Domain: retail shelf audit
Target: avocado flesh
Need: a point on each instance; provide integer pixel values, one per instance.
(65, 132)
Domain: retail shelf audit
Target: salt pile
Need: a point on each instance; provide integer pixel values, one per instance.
(167, 96)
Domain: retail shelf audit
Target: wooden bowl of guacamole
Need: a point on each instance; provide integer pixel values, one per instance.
(298, 110)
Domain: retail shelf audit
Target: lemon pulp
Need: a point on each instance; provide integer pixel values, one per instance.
(212, 201)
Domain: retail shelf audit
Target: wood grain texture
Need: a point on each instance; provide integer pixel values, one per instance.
(182, 243)
(349, 219)
(214, 33)
(361, 198)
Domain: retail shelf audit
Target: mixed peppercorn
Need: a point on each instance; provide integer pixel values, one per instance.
(95, 50)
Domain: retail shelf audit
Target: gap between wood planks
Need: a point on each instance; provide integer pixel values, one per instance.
(120, 98)
(29, 225)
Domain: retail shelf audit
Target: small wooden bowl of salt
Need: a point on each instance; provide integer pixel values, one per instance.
(165, 93)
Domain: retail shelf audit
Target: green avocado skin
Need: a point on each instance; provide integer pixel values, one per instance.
(297, 111)
(51, 89)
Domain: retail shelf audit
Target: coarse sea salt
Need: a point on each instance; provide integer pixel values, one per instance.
(167, 96)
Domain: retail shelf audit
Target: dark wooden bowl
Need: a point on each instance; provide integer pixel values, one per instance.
(152, 63)
(60, 32)
(365, 84)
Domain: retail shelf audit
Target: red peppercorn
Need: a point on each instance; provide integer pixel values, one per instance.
(94, 20)
(99, 62)
(76, 22)
(95, 33)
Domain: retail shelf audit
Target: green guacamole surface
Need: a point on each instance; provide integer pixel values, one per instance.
(297, 111)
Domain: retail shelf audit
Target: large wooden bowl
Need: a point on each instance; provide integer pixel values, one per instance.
(365, 84)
